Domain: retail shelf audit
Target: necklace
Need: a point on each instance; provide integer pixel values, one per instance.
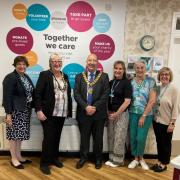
(139, 84)
(91, 83)
(62, 89)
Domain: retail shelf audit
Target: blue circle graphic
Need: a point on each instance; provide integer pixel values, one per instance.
(34, 72)
(38, 17)
(72, 70)
(102, 23)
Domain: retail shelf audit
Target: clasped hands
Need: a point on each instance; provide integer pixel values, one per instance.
(90, 110)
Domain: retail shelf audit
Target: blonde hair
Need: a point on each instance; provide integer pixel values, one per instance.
(52, 56)
(163, 70)
(139, 62)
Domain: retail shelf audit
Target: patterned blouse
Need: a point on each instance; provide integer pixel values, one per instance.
(141, 95)
(28, 89)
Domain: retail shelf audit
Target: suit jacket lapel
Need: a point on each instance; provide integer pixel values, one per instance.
(51, 80)
(19, 81)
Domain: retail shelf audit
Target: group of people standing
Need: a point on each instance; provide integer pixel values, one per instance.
(123, 103)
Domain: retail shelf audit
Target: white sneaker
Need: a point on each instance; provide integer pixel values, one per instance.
(113, 165)
(108, 163)
(133, 164)
(144, 165)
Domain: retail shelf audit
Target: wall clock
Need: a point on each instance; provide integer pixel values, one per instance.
(147, 42)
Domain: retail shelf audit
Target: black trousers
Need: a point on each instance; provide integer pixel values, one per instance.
(52, 128)
(163, 140)
(95, 127)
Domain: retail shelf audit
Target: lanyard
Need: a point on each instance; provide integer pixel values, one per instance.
(113, 88)
(162, 91)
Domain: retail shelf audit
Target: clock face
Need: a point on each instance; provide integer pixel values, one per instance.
(147, 42)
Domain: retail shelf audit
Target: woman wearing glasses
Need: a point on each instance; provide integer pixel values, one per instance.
(53, 105)
(166, 113)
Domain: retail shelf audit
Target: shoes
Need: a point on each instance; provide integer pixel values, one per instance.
(160, 169)
(154, 167)
(45, 170)
(113, 164)
(143, 164)
(108, 163)
(20, 166)
(98, 164)
(27, 161)
(133, 164)
(58, 163)
(80, 163)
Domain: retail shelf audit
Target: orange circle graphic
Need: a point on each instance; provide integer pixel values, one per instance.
(19, 11)
(32, 58)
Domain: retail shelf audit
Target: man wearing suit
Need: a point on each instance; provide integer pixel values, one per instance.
(91, 93)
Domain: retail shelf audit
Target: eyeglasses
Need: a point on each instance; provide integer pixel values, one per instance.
(164, 74)
(54, 62)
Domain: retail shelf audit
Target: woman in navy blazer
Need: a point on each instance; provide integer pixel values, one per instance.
(18, 101)
(53, 105)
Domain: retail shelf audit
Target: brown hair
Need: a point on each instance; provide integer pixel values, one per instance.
(165, 69)
(123, 66)
(18, 59)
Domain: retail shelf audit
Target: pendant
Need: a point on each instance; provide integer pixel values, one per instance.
(111, 95)
(90, 90)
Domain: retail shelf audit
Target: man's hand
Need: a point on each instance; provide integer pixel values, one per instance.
(90, 110)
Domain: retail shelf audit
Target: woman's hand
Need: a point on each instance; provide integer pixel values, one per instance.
(8, 120)
(113, 116)
(170, 128)
(41, 116)
(141, 121)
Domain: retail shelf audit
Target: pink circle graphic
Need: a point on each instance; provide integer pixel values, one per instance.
(19, 40)
(80, 16)
(100, 67)
(103, 46)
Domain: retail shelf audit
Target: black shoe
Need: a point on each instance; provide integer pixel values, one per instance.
(160, 169)
(58, 163)
(20, 166)
(27, 161)
(154, 167)
(80, 163)
(98, 164)
(45, 170)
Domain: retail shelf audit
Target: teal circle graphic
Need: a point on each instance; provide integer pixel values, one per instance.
(72, 70)
(34, 72)
(38, 17)
(102, 23)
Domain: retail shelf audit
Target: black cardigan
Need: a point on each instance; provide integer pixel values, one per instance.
(45, 96)
(14, 94)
